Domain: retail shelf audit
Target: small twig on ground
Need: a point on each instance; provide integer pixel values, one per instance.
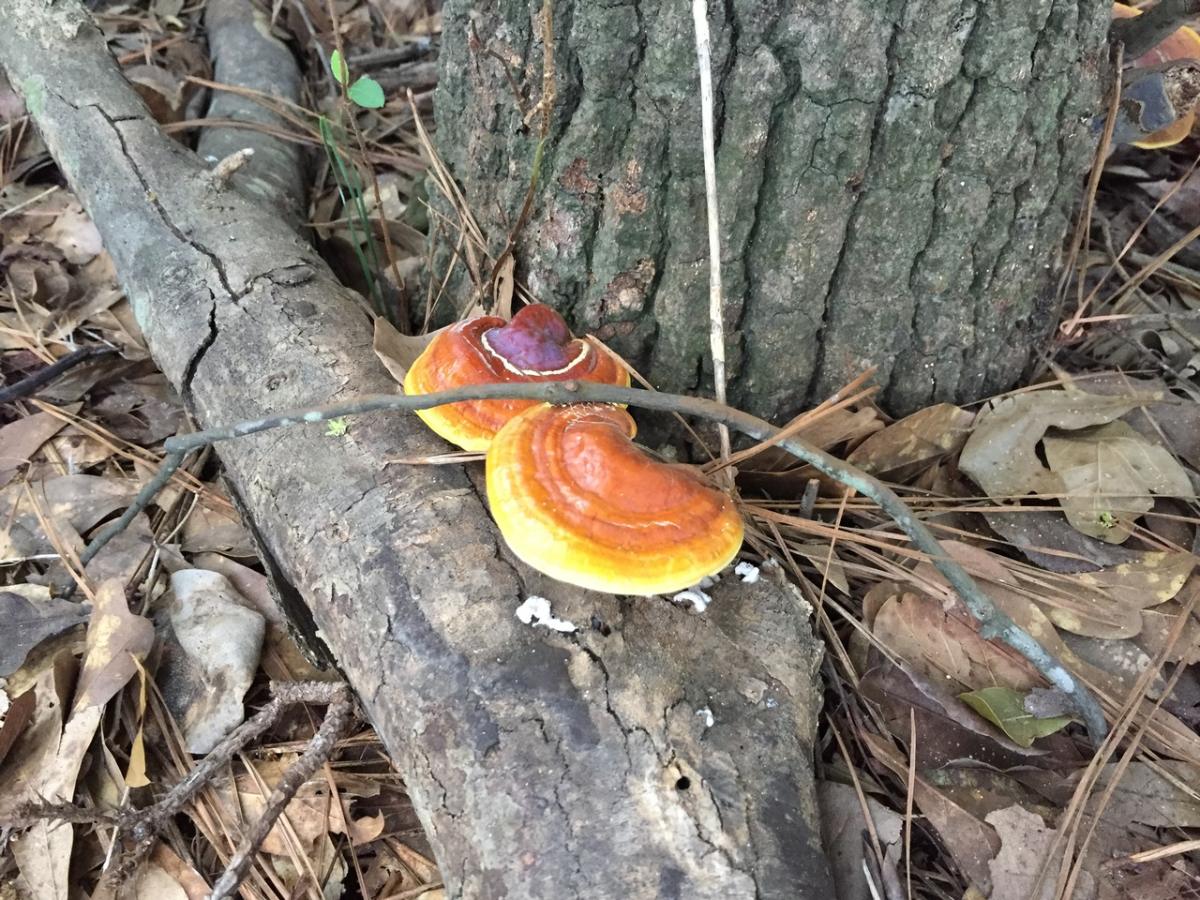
(716, 315)
(143, 825)
(42, 377)
(1143, 33)
(319, 749)
(994, 623)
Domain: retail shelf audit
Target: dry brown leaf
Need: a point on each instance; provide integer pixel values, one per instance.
(943, 644)
(81, 500)
(26, 621)
(1001, 453)
(16, 716)
(827, 563)
(1024, 611)
(1048, 540)
(27, 758)
(1165, 733)
(193, 884)
(1157, 623)
(1109, 473)
(142, 410)
(839, 426)
(77, 450)
(903, 448)
(116, 640)
(43, 852)
(161, 91)
(1122, 660)
(1024, 842)
(971, 842)
(124, 555)
(1153, 578)
(21, 439)
(505, 282)
(399, 351)
(37, 276)
(73, 233)
(1144, 795)
(216, 528)
(152, 882)
(947, 729)
(841, 834)
(211, 656)
(1069, 606)
(308, 813)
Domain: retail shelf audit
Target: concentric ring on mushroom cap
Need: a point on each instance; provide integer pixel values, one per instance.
(535, 346)
(575, 498)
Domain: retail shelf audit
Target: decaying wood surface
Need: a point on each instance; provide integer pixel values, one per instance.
(652, 753)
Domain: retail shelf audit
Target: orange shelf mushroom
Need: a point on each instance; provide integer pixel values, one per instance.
(1183, 43)
(576, 499)
(536, 345)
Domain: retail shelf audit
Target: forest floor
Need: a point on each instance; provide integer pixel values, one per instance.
(1071, 498)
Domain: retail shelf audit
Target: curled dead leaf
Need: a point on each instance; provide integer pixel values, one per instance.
(117, 640)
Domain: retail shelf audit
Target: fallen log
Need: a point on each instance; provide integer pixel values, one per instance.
(650, 753)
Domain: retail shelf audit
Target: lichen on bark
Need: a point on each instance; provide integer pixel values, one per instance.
(895, 180)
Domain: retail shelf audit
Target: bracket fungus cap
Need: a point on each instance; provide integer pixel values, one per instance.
(536, 345)
(575, 498)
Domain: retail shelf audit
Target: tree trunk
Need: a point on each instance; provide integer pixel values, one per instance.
(895, 180)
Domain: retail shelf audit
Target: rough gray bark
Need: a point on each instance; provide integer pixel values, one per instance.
(543, 765)
(245, 54)
(896, 179)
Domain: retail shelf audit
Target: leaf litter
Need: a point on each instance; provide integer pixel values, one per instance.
(92, 706)
(1055, 497)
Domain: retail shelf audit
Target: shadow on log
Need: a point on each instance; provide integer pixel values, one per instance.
(652, 753)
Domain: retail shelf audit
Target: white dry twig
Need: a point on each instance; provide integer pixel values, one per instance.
(715, 304)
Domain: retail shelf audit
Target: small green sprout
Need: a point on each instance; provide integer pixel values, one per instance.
(336, 427)
(365, 91)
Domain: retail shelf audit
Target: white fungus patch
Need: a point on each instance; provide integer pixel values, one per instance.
(536, 611)
(748, 572)
(694, 596)
(707, 715)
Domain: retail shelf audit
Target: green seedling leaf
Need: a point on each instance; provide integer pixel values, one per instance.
(338, 66)
(367, 93)
(1005, 708)
(336, 427)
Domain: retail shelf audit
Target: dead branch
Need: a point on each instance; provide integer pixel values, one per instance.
(533, 758)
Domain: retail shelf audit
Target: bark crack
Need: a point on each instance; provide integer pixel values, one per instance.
(152, 197)
(844, 251)
(199, 353)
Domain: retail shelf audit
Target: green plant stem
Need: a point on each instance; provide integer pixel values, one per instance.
(994, 623)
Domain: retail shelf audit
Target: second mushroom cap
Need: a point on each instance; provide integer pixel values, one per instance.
(575, 498)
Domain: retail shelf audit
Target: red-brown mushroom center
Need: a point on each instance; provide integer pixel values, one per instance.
(536, 341)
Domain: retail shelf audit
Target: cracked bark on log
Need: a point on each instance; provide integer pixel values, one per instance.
(543, 765)
(895, 181)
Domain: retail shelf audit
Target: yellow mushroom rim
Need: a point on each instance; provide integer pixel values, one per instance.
(576, 499)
